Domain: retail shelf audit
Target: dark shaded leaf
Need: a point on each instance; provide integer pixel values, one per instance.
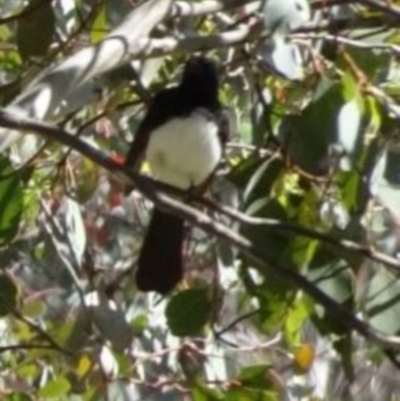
(11, 201)
(307, 137)
(255, 376)
(36, 29)
(333, 276)
(8, 295)
(375, 63)
(392, 168)
(244, 394)
(256, 177)
(188, 312)
(18, 397)
(267, 239)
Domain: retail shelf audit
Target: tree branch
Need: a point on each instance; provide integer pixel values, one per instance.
(153, 191)
(344, 244)
(45, 93)
(131, 39)
(42, 333)
(192, 9)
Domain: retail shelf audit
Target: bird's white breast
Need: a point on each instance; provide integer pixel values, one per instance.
(184, 151)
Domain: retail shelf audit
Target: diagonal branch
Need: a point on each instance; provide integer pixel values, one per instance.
(129, 40)
(345, 244)
(264, 263)
(45, 94)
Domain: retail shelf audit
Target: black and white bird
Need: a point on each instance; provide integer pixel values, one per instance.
(182, 136)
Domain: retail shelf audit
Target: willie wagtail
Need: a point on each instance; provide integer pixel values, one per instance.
(182, 136)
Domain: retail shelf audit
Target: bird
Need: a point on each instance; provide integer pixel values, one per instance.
(182, 136)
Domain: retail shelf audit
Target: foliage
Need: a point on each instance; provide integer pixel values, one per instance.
(299, 301)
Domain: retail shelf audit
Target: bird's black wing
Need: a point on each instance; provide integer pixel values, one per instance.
(157, 114)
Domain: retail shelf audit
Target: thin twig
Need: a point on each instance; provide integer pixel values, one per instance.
(266, 264)
(43, 334)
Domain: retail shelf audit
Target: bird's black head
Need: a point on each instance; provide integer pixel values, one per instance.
(200, 80)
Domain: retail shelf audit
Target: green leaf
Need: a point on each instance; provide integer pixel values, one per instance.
(34, 308)
(244, 394)
(383, 302)
(28, 371)
(274, 298)
(392, 167)
(256, 177)
(87, 181)
(139, 323)
(99, 27)
(307, 137)
(261, 124)
(35, 29)
(18, 397)
(10, 62)
(203, 393)
(350, 182)
(344, 347)
(8, 295)
(297, 316)
(9, 90)
(11, 201)
(350, 89)
(188, 312)
(55, 388)
(268, 240)
(374, 64)
(255, 376)
(333, 276)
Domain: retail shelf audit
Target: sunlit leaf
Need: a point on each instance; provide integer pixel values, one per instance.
(99, 27)
(332, 276)
(55, 388)
(28, 371)
(383, 302)
(202, 393)
(84, 365)
(33, 308)
(297, 316)
(139, 323)
(87, 179)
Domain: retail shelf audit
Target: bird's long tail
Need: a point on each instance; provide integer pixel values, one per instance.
(160, 260)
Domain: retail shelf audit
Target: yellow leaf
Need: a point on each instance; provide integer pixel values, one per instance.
(304, 357)
(84, 365)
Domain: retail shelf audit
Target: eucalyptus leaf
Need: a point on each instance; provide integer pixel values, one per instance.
(188, 312)
(36, 29)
